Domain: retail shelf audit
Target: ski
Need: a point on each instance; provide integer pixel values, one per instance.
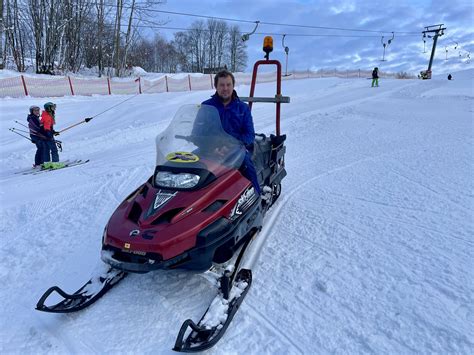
(67, 164)
(36, 169)
(92, 290)
(211, 327)
(233, 285)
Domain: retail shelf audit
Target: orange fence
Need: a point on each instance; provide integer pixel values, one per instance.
(22, 86)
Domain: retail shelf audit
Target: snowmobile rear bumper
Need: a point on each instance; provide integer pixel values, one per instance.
(222, 232)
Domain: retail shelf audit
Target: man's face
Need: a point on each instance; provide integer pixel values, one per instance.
(225, 88)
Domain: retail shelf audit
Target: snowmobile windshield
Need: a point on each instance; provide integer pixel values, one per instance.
(195, 139)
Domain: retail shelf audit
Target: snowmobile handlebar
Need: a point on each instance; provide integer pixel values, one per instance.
(186, 138)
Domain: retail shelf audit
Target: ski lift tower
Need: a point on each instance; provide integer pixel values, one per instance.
(438, 31)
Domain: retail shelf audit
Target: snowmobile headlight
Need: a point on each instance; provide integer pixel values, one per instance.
(176, 180)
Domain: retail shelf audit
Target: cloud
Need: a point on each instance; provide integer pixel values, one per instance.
(404, 53)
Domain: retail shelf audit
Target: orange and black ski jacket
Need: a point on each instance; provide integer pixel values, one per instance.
(47, 121)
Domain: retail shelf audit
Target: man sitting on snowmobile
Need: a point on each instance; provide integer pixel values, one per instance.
(236, 120)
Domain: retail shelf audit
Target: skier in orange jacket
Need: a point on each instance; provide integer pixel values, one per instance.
(51, 156)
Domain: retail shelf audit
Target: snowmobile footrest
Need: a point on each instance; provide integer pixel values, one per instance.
(200, 338)
(92, 290)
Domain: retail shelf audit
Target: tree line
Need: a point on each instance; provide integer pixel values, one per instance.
(58, 36)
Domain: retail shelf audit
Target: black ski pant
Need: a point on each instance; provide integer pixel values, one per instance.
(40, 150)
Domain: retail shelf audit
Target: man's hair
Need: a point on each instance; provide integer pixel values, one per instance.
(223, 74)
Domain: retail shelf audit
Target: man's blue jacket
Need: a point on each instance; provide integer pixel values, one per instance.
(237, 121)
(236, 118)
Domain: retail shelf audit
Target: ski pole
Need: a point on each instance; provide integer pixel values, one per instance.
(57, 142)
(13, 130)
(21, 124)
(87, 119)
(21, 130)
(31, 131)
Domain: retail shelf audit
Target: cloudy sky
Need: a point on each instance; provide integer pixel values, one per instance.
(360, 49)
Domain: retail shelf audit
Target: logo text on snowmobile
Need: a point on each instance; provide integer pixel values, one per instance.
(186, 211)
(134, 233)
(245, 201)
(182, 157)
(162, 197)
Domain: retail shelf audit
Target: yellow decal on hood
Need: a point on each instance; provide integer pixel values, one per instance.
(182, 157)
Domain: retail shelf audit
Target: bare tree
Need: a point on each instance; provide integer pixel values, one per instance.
(184, 50)
(237, 50)
(128, 36)
(75, 14)
(15, 34)
(118, 24)
(222, 33)
(2, 31)
(197, 38)
(211, 42)
(100, 35)
(68, 34)
(48, 30)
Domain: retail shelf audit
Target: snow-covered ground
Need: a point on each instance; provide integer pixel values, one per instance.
(369, 249)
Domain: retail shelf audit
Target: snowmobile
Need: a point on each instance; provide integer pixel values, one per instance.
(196, 212)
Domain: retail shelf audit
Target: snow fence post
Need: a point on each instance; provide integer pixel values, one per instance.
(189, 81)
(166, 80)
(108, 85)
(139, 85)
(24, 85)
(70, 85)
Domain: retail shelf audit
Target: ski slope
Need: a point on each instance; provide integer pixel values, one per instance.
(368, 250)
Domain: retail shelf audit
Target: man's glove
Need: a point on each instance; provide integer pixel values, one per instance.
(55, 133)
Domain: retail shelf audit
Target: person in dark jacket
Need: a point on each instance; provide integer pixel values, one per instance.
(236, 120)
(375, 77)
(36, 134)
(48, 121)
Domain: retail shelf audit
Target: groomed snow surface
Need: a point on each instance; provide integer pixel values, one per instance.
(368, 250)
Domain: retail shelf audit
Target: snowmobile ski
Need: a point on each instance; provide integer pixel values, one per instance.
(207, 333)
(67, 164)
(233, 284)
(92, 290)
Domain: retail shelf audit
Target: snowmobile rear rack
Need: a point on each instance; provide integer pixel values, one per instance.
(276, 99)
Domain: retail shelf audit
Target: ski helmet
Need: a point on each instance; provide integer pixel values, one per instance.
(33, 108)
(49, 106)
